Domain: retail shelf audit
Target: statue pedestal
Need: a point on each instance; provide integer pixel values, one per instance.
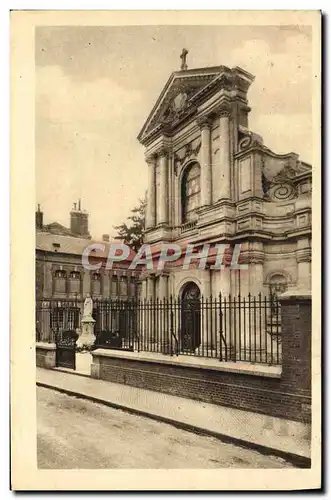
(87, 337)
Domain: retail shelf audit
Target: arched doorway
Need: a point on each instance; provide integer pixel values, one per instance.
(190, 332)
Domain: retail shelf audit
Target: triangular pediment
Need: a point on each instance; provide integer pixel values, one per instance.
(176, 98)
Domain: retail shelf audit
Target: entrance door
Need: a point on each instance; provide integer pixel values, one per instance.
(190, 338)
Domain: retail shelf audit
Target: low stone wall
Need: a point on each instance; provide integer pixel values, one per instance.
(45, 355)
(286, 396)
(257, 392)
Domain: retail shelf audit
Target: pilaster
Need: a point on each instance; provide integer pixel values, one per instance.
(303, 257)
(224, 188)
(151, 208)
(162, 198)
(206, 177)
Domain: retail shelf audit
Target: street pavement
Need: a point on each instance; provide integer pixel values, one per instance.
(80, 434)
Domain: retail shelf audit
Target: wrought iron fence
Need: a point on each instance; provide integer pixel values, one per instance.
(224, 328)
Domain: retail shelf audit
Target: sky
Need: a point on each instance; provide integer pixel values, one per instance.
(95, 87)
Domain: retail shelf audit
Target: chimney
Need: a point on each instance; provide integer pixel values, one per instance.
(105, 237)
(79, 221)
(39, 218)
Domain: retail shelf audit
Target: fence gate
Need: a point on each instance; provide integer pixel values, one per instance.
(190, 318)
(66, 350)
(64, 321)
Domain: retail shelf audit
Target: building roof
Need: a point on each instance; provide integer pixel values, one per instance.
(58, 243)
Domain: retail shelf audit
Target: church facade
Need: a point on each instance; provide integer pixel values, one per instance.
(212, 180)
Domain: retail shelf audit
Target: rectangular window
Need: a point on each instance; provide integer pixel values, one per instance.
(73, 318)
(57, 318)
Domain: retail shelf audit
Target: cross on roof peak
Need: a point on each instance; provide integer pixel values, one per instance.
(183, 58)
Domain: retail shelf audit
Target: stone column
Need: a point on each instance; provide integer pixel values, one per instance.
(141, 320)
(225, 281)
(206, 182)
(257, 318)
(149, 316)
(207, 318)
(224, 180)
(163, 316)
(150, 288)
(177, 200)
(162, 199)
(226, 343)
(163, 286)
(143, 289)
(171, 204)
(303, 256)
(150, 209)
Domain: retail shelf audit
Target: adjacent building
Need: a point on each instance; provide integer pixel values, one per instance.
(60, 273)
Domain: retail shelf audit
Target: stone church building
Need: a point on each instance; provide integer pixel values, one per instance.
(211, 179)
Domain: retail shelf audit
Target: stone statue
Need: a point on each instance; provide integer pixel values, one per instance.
(86, 332)
(88, 306)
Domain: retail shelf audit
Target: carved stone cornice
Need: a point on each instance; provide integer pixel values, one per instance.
(222, 110)
(251, 257)
(163, 151)
(189, 151)
(162, 273)
(151, 159)
(163, 148)
(303, 255)
(147, 274)
(250, 140)
(224, 113)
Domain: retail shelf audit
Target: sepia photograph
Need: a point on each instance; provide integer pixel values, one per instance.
(172, 181)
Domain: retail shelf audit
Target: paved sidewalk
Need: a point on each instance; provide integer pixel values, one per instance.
(281, 437)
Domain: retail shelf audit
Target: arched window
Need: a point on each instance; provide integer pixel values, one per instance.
(190, 191)
(74, 282)
(96, 284)
(60, 281)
